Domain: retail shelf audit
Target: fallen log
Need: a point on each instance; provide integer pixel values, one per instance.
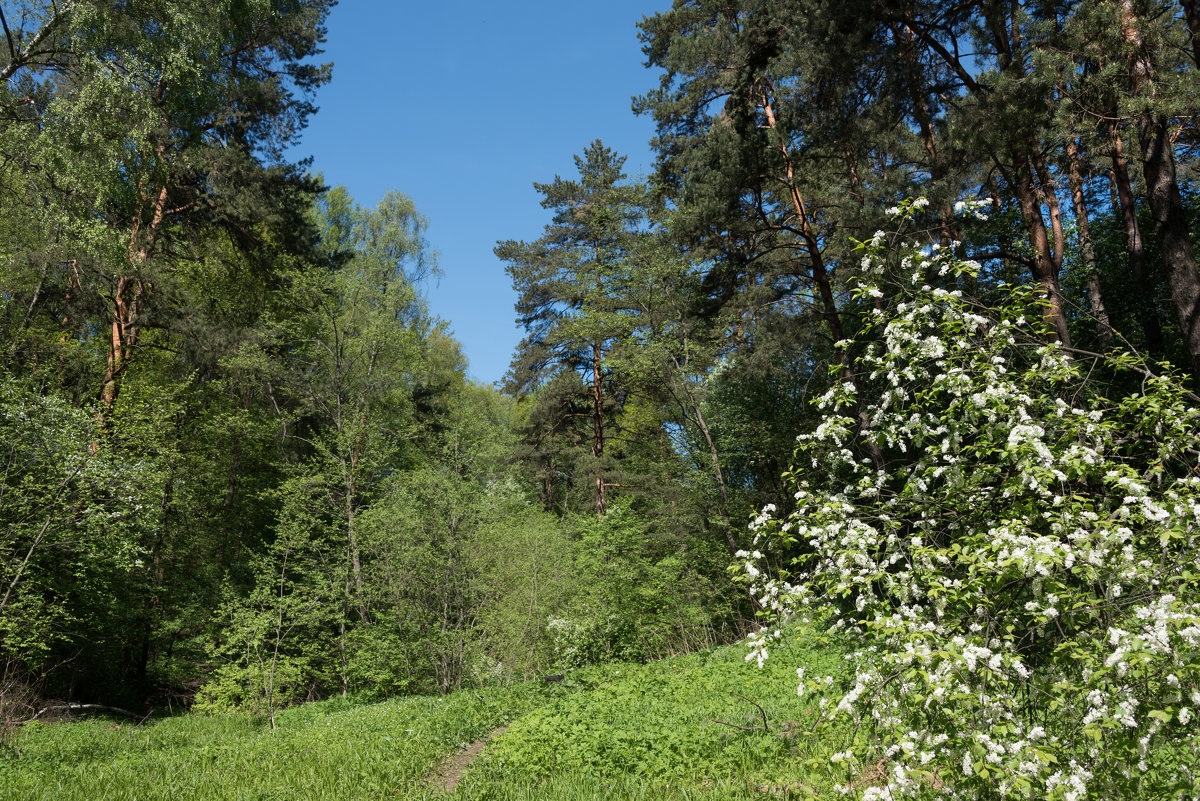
(116, 710)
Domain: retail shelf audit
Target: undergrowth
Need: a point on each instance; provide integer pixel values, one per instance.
(707, 725)
(689, 723)
(326, 750)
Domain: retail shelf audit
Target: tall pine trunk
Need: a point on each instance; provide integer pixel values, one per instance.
(1163, 197)
(1171, 230)
(1046, 263)
(1191, 9)
(598, 429)
(1135, 250)
(919, 90)
(1023, 159)
(131, 288)
(820, 278)
(1086, 251)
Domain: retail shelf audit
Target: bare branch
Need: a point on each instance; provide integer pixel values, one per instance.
(12, 48)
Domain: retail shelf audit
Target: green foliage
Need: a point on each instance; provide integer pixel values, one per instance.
(355, 351)
(640, 594)
(150, 223)
(276, 641)
(526, 576)
(73, 526)
(261, 686)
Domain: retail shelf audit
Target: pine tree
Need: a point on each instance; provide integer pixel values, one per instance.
(163, 126)
(564, 282)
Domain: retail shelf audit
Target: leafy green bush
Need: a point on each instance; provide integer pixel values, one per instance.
(1021, 581)
(257, 688)
(636, 594)
(72, 526)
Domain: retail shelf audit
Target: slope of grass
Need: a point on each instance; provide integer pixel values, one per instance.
(702, 726)
(328, 750)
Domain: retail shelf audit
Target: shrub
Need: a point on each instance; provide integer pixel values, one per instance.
(1020, 582)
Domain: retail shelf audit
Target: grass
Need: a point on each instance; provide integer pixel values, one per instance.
(328, 750)
(702, 726)
(686, 728)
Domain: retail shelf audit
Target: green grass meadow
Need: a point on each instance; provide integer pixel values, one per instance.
(691, 727)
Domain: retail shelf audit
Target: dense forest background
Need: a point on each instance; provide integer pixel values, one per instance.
(242, 463)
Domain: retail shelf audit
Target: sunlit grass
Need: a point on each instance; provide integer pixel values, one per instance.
(319, 751)
(703, 726)
(582, 787)
(686, 728)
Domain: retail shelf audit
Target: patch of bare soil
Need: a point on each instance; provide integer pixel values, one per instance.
(445, 779)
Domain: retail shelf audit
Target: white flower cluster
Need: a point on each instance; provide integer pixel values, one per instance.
(1023, 582)
(973, 208)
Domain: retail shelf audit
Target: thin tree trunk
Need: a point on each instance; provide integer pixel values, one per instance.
(1147, 311)
(352, 544)
(597, 429)
(820, 276)
(1086, 251)
(718, 474)
(1045, 263)
(350, 510)
(24, 58)
(16, 579)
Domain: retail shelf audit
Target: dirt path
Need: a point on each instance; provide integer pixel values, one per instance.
(443, 780)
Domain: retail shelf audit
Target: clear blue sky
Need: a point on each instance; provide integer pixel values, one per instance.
(462, 105)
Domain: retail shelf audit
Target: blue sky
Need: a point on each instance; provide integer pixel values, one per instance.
(462, 105)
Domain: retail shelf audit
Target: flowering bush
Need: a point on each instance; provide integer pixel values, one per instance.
(1020, 583)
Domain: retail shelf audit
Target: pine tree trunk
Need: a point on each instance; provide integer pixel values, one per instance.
(597, 429)
(128, 294)
(1045, 263)
(918, 88)
(1191, 10)
(123, 335)
(820, 277)
(1171, 229)
(1086, 251)
(1001, 21)
(1163, 197)
(1147, 311)
(1049, 197)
